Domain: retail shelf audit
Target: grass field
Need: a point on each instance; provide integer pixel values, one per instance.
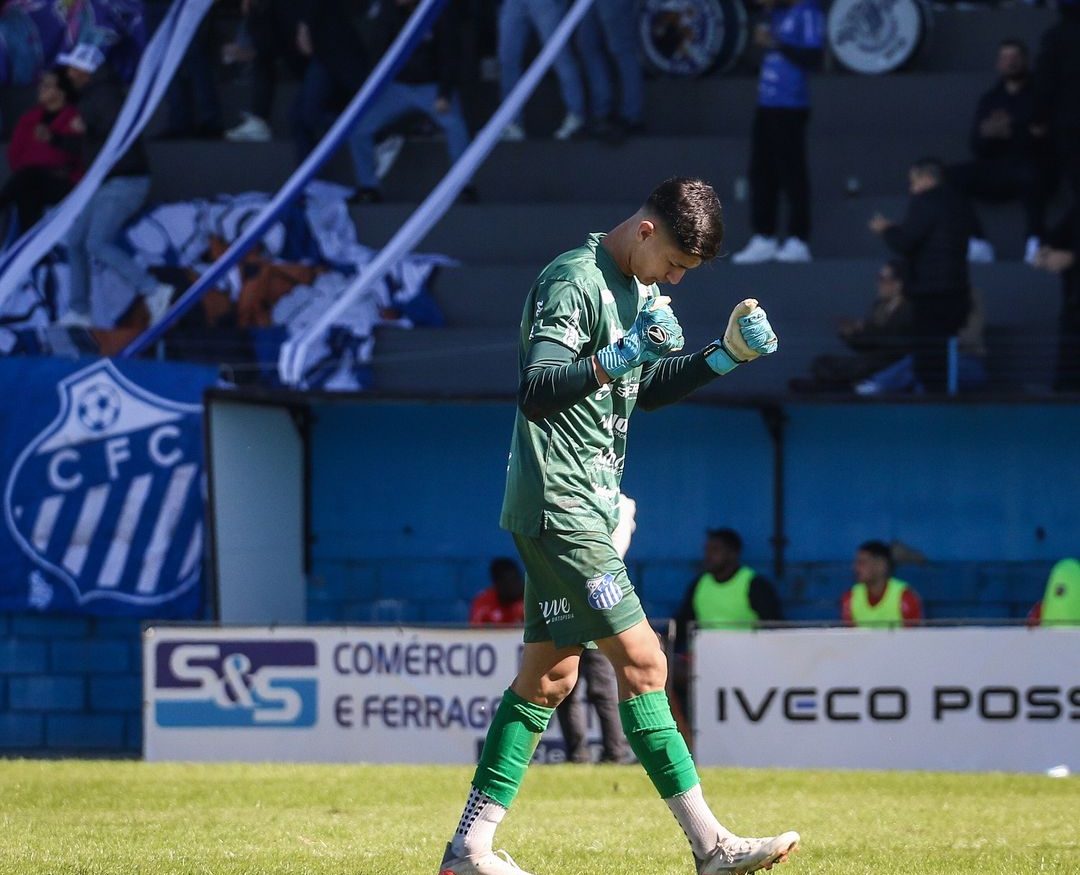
(128, 817)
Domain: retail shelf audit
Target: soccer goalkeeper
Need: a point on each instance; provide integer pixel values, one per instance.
(595, 341)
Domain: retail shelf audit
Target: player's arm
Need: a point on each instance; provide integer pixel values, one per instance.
(764, 601)
(555, 378)
(748, 336)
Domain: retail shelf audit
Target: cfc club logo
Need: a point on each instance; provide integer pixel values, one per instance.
(875, 36)
(106, 500)
(221, 684)
(603, 592)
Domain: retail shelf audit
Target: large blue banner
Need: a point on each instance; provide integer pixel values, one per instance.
(103, 497)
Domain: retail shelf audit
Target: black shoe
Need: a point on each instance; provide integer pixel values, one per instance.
(365, 196)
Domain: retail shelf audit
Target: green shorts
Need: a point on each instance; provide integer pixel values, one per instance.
(576, 588)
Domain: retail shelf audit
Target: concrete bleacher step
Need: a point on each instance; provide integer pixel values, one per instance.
(500, 233)
(477, 352)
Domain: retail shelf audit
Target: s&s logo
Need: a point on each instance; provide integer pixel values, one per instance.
(218, 684)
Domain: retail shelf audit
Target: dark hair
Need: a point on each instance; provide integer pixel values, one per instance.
(879, 549)
(932, 167)
(503, 566)
(727, 536)
(63, 82)
(690, 210)
(1014, 42)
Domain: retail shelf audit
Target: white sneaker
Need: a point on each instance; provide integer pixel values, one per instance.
(513, 133)
(1031, 249)
(980, 251)
(491, 863)
(736, 856)
(158, 301)
(251, 130)
(570, 126)
(794, 251)
(74, 319)
(386, 153)
(758, 250)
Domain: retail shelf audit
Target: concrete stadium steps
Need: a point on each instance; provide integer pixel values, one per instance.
(533, 234)
(477, 352)
(548, 171)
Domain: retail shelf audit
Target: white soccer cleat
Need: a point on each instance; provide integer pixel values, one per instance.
(980, 251)
(794, 251)
(570, 126)
(758, 250)
(513, 133)
(251, 130)
(490, 863)
(738, 856)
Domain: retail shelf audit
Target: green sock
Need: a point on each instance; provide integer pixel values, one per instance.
(657, 743)
(508, 749)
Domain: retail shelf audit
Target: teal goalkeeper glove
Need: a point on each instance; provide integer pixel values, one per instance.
(654, 334)
(748, 336)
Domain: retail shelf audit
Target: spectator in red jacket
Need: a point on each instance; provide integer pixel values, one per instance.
(502, 603)
(45, 152)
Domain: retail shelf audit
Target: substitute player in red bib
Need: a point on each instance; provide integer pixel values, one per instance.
(595, 340)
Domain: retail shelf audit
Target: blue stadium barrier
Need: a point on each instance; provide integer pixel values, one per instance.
(392, 60)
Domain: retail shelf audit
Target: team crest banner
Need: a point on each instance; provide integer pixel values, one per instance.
(103, 491)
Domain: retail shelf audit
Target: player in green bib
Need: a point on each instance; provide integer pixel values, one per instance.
(595, 342)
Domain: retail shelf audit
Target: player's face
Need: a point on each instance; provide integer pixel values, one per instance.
(869, 568)
(657, 258)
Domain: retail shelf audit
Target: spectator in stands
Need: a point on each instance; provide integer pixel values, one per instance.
(1009, 163)
(515, 19)
(336, 67)
(933, 238)
(1060, 605)
(878, 599)
(793, 39)
(45, 152)
(428, 83)
(1057, 99)
(502, 603)
(727, 594)
(120, 196)
(879, 340)
(613, 22)
(970, 374)
(1060, 256)
(193, 99)
(273, 26)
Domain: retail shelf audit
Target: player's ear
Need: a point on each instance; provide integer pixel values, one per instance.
(646, 229)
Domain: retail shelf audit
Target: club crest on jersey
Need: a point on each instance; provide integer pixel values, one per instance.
(603, 592)
(657, 333)
(107, 499)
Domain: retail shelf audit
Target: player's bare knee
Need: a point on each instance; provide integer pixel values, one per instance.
(644, 675)
(556, 687)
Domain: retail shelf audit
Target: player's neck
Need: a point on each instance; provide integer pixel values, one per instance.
(616, 244)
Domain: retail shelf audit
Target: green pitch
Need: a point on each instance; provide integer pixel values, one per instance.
(91, 817)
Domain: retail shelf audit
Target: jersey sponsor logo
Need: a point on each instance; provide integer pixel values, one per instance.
(875, 36)
(608, 460)
(556, 610)
(107, 498)
(607, 493)
(604, 592)
(615, 424)
(602, 392)
(657, 334)
(222, 684)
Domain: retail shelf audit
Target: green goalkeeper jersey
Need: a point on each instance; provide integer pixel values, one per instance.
(564, 471)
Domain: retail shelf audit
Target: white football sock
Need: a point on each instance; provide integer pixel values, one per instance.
(697, 821)
(476, 829)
